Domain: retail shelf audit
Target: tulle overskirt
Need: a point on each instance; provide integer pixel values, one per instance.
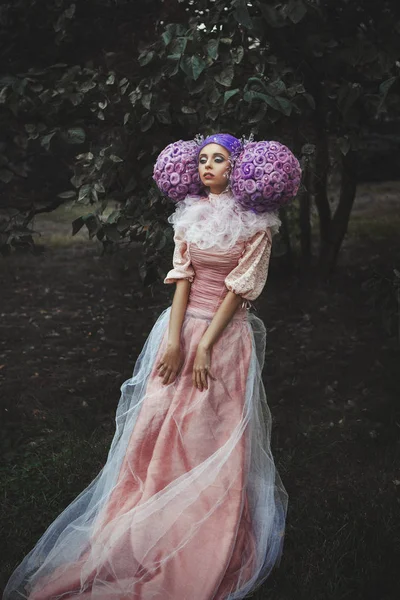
(189, 504)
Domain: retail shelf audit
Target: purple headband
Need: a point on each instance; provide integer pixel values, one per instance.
(228, 141)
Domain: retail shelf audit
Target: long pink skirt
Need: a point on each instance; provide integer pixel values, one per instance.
(189, 505)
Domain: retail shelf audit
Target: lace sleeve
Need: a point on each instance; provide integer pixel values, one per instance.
(248, 278)
(182, 268)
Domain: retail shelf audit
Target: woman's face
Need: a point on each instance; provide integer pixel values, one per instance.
(214, 167)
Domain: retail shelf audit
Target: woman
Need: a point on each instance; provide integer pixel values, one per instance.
(189, 505)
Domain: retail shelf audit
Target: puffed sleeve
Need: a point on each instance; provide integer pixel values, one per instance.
(181, 261)
(248, 278)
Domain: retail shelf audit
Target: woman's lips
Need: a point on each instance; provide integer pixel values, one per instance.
(208, 176)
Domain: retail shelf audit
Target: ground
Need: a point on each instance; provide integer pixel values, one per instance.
(73, 323)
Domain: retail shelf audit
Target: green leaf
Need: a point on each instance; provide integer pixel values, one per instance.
(310, 100)
(67, 195)
(242, 15)
(84, 191)
(163, 116)
(226, 76)
(146, 100)
(77, 225)
(285, 106)
(276, 87)
(212, 48)
(130, 186)
(344, 144)
(272, 16)
(177, 48)
(6, 175)
(92, 223)
(112, 233)
(198, 66)
(145, 58)
(237, 54)
(229, 94)
(187, 66)
(214, 95)
(75, 135)
(384, 90)
(249, 96)
(146, 122)
(188, 110)
(259, 115)
(46, 139)
(296, 10)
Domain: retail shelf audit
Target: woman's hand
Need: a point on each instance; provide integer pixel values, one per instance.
(201, 367)
(170, 363)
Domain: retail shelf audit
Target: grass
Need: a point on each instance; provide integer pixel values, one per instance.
(55, 229)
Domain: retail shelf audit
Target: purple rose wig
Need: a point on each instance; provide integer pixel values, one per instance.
(265, 175)
(176, 171)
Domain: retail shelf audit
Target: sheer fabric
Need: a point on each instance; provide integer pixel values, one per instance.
(189, 505)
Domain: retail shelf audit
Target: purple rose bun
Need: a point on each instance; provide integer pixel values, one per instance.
(265, 177)
(176, 171)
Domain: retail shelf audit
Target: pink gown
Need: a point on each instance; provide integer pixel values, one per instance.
(189, 505)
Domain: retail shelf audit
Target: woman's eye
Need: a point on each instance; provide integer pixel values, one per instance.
(219, 159)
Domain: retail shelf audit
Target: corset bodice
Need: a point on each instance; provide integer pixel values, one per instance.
(212, 267)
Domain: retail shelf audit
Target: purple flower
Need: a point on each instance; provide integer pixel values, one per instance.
(182, 189)
(268, 168)
(283, 156)
(247, 170)
(275, 177)
(279, 187)
(271, 157)
(186, 178)
(258, 172)
(268, 190)
(176, 170)
(175, 178)
(250, 186)
(260, 160)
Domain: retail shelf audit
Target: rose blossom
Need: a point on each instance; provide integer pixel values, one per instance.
(175, 178)
(186, 178)
(247, 170)
(250, 186)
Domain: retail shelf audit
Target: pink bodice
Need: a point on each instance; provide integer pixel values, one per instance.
(211, 270)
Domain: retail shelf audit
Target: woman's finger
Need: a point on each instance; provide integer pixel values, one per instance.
(172, 377)
(203, 378)
(198, 381)
(166, 374)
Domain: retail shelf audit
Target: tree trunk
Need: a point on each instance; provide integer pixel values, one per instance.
(321, 195)
(304, 217)
(348, 188)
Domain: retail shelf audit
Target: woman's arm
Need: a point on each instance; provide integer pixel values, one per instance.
(171, 361)
(220, 320)
(245, 281)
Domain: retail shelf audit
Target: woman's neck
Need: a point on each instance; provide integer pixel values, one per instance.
(213, 192)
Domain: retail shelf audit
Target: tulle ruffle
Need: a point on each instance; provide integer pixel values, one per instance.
(218, 221)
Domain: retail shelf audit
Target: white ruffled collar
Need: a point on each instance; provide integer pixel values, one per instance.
(218, 221)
